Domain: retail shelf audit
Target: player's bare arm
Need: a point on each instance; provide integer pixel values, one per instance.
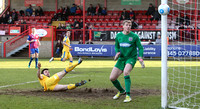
(38, 72)
(39, 43)
(28, 41)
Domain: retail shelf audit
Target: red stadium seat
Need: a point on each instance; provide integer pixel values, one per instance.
(146, 27)
(107, 17)
(110, 23)
(101, 17)
(104, 23)
(95, 17)
(116, 24)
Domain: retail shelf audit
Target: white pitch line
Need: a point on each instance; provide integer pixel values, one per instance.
(28, 82)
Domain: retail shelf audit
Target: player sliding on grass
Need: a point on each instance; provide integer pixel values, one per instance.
(51, 83)
(66, 50)
(126, 44)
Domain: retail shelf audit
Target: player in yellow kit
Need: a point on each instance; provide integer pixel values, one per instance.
(51, 83)
(66, 50)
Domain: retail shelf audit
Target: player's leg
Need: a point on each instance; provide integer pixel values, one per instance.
(70, 58)
(130, 63)
(36, 57)
(59, 87)
(71, 67)
(113, 77)
(63, 57)
(116, 72)
(127, 79)
(31, 58)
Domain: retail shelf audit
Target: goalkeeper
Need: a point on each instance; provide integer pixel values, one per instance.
(126, 44)
(51, 83)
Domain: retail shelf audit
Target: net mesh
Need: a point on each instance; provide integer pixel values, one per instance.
(183, 54)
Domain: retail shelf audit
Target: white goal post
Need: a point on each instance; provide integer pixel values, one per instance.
(180, 69)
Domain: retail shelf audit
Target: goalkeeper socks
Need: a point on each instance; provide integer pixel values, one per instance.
(117, 84)
(36, 62)
(71, 86)
(71, 67)
(31, 59)
(127, 84)
(57, 59)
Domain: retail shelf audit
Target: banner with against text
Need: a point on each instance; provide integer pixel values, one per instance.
(144, 35)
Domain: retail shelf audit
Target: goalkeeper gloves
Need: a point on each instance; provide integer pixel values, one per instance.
(141, 62)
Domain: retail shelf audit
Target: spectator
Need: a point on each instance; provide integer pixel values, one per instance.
(150, 10)
(81, 23)
(66, 13)
(90, 10)
(33, 14)
(77, 26)
(179, 19)
(98, 9)
(80, 41)
(104, 11)
(158, 40)
(59, 13)
(39, 11)
(55, 17)
(150, 43)
(122, 18)
(91, 27)
(134, 24)
(73, 9)
(156, 15)
(59, 47)
(22, 21)
(10, 20)
(29, 11)
(181, 26)
(78, 11)
(7, 15)
(63, 26)
(124, 15)
(68, 26)
(75, 22)
(22, 13)
(89, 42)
(59, 26)
(132, 14)
(77, 33)
(186, 20)
(4, 20)
(14, 15)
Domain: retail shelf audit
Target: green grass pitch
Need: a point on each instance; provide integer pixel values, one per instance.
(20, 88)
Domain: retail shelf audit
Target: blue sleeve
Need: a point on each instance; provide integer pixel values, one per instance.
(29, 38)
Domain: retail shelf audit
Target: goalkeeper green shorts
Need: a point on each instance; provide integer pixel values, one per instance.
(122, 62)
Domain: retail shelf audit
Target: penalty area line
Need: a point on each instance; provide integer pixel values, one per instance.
(28, 82)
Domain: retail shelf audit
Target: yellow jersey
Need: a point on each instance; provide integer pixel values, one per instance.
(42, 81)
(67, 41)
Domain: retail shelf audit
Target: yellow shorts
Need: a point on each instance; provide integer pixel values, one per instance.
(66, 55)
(52, 82)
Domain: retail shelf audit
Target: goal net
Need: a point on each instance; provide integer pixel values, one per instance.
(184, 54)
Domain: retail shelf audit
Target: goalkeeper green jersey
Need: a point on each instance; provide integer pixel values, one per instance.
(127, 45)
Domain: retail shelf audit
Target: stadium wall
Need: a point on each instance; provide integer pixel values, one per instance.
(111, 4)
